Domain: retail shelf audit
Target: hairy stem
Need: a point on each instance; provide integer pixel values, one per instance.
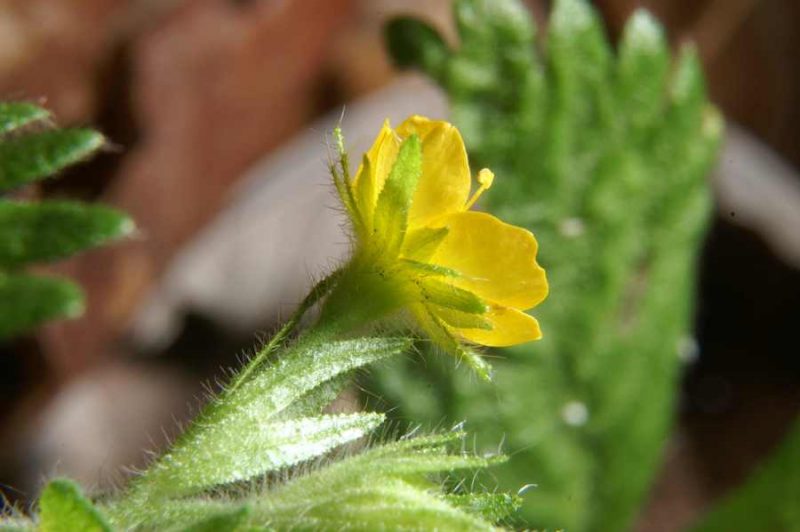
(319, 291)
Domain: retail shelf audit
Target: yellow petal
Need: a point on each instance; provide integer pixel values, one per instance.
(445, 182)
(497, 260)
(370, 177)
(509, 327)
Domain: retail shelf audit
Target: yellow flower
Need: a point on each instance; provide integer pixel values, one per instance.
(465, 276)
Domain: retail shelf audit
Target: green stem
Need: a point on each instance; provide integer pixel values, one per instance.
(320, 290)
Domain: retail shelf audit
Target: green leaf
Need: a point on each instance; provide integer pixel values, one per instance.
(389, 486)
(383, 485)
(307, 366)
(642, 71)
(493, 507)
(768, 500)
(14, 115)
(26, 301)
(31, 232)
(449, 296)
(412, 42)
(62, 508)
(387, 505)
(227, 520)
(240, 436)
(28, 158)
(216, 456)
(422, 243)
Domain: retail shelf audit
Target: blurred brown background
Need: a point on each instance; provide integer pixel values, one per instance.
(194, 92)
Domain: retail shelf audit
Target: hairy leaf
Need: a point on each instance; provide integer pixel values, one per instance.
(214, 457)
(493, 507)
(62, 508)
(33, 232)
(240, 437)
(227, 520)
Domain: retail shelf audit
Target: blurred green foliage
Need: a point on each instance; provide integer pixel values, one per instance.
(770, 500)
(604, 156)
(31, 150)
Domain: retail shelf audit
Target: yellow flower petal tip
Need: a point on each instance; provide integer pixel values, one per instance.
(465, 275)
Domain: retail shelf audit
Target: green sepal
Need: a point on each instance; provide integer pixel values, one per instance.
(31, 232)
(463, 320)
(449, 296)
(442, 336)
(340, 172)
(27, 301)
(62, 508)
(428, 269)
(394, 201)
(28, 158)
(422, 243)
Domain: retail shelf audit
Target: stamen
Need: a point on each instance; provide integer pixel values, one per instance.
(485, 179)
